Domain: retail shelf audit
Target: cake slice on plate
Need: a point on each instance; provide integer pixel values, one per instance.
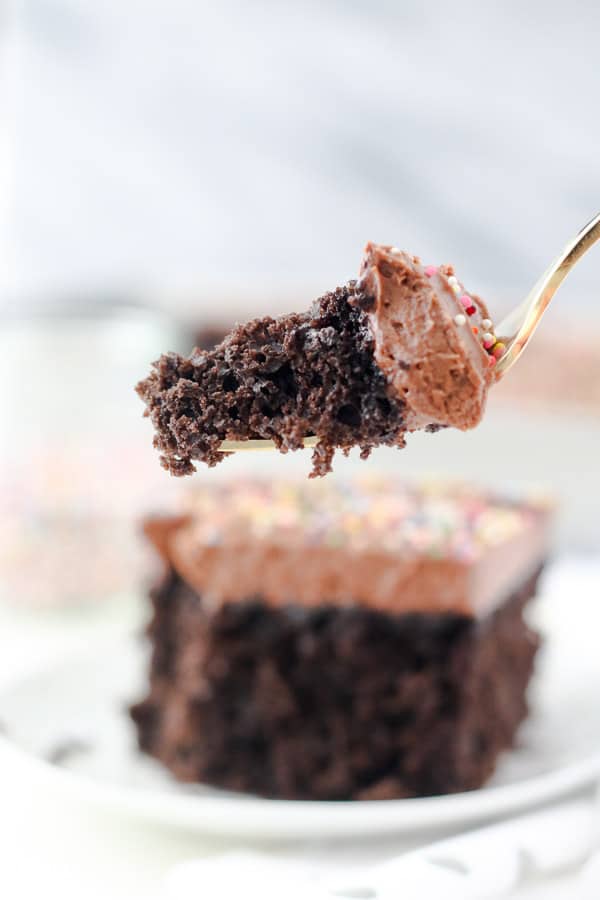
(344, 641)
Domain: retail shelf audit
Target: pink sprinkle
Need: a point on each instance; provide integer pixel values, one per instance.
(488, 344)
(492, 360)
(466, 301)
(430, 270)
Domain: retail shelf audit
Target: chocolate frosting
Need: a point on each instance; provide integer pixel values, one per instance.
(439, 368)
(391, 547)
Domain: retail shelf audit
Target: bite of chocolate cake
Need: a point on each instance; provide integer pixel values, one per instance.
(362, 640)
(403, 348)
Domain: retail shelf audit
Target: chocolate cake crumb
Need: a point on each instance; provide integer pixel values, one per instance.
(281, 379)
(332, 703)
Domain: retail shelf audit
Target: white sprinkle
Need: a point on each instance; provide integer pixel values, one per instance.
(487, 337)
(460, 319)
(394, 250)
(452, 279)
(487, 324)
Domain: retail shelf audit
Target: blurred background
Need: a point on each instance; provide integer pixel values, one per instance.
(168, 168)
(173, 167)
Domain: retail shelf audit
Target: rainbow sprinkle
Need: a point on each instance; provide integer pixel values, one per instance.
(494, 348)
(433, 519)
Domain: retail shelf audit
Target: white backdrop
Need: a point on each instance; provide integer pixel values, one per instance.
(181, 147)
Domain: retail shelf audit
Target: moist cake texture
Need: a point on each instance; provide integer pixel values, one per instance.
(280, 668)
(403, 348)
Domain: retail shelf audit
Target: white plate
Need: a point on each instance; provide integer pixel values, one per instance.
(83, 702)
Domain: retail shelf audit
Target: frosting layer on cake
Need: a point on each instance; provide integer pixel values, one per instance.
(429, 338)
(391, 547)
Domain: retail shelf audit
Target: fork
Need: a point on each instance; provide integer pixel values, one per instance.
(518, 326)
(515, 329)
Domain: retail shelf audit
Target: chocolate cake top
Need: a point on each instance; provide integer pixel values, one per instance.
(398, 547)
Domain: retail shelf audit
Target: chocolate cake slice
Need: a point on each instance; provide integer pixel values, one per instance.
(402, 348)
(356, 641)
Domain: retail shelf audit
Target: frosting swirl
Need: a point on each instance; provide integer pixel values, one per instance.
(425, 343)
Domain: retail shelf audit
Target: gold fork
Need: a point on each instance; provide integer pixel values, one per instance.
(516, 328)
(519, 325)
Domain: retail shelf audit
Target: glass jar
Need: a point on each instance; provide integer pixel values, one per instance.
(77, 469)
